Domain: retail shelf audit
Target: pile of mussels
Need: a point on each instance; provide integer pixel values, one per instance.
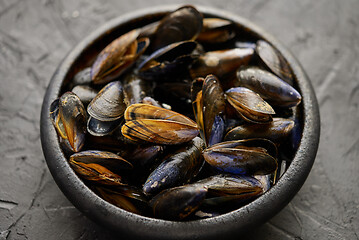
(180, 119)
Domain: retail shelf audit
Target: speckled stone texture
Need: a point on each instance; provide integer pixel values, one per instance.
(36, 34)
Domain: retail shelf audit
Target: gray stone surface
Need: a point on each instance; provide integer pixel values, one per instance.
(36, 34)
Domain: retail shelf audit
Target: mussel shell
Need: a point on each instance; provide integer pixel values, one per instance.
(265, 181)
(54, 116)
(85, 93)
(274, 60)
(177, 168)
(118, 199)
(276, 130)
(202, 213)
(216, 30)
(138, 155)
(213, 108)
(184, 23)
(108, 105)
(221, 63)
(136, 89)
(102, 128)
(241, 157)
(249, 105)
(128, 191)
(72, 115)
(146, 111)
(245, 44)
(227, 184)
(83, 77)
(115, 58)
(168, 61)
(197, 103)
(177, 203)
(217, 131)
(107, 159)
(159, 131)
(268, 86)
(96, 173)
(148, 30)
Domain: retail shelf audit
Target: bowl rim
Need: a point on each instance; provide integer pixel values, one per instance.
(133, 225)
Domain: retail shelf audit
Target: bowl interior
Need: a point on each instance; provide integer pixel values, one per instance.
(136, 226)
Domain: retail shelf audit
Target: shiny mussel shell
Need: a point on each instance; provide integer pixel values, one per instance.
(274, 60)
(249, 105)
(107, 159)
(100, 128)
(108, 105)
(221, 63)
(251, 156)
(214, 104)
(71, 120)
(209, 103)
(226, 188)
(183, 24)
(96, 173)
(118, 199)
(276, 130)
(117, 57)
(177, 168)
(157, 125)
(227, 184)
(216, 30)
(177, 203)
(268, 86)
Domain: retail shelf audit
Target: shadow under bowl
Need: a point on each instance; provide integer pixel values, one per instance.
(134, 226)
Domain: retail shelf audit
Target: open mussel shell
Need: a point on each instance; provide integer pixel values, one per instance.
(177, 203)
(178, 168)
(216, 30)
(274, 61)
(157, 125)
(168, 61)
(276, 130)
(221, 63)
(109, 160)
(70, 121)
(249, 105)
(250, 156)
(117, 57)
(108, 105)
(271, 88)
(183, 24)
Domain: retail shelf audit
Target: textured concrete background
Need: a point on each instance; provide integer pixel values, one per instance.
(36, 34)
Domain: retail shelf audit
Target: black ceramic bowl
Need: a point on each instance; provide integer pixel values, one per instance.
(135, 226)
